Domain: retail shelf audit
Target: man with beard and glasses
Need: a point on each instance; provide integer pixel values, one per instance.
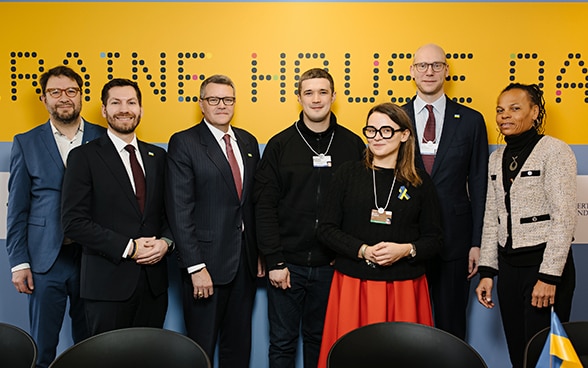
(113, 206)
(45, 264)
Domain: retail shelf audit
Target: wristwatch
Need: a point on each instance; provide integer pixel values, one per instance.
(412, 253)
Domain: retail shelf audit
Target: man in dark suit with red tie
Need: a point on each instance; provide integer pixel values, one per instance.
(453, 147)
(113, 206)
(209, 201)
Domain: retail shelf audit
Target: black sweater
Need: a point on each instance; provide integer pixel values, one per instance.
(289, 191)
(345, 222)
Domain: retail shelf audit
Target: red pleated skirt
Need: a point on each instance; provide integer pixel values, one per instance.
(354, 303)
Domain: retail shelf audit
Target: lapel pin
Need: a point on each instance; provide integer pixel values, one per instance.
(150, 153)
(249, 154)
(403, 193)
(457, 116)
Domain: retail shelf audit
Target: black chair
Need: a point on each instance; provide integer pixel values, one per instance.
(17, 348)
(402, 344)
(134, 347)
(577, 332)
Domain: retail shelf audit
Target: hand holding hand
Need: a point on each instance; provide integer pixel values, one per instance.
(150, 250)
(386, 253)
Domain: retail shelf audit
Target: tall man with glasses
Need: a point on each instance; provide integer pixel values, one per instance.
(45, 264)
(210, 174)
(293, 178)
(452, 145)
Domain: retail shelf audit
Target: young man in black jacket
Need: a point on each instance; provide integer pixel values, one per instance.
(293, 177)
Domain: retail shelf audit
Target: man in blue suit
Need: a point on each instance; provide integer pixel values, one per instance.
(452, 145)
(45, 265)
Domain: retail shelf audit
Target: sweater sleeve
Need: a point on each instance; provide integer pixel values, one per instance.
(560, 193)
(489, 247)
(331, 217)
(267, 198)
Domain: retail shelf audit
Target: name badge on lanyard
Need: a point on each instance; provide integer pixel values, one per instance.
(321, 160)
(380, 216)
(429, 148)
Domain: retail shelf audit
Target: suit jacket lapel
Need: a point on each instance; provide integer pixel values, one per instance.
(450, 125)
(49, 142)
(150, 167)
(90, 132)
(248, 167)
(217, 156)
(418, 158)
(113, 162)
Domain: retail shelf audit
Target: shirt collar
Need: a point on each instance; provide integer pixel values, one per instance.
(219, 134)
(119, 144)
(57, 132)
(439, 104)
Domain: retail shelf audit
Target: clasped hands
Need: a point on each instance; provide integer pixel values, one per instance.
(386, 253)
(150, 250)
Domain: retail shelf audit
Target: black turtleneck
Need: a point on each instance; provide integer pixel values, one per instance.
(518, 148)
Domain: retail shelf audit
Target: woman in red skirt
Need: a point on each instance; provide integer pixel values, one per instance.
(382, 218)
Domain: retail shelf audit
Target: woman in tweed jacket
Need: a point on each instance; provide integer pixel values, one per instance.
(529, 221)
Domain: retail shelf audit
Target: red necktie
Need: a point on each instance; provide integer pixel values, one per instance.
(429, 136)
(138, 177)
(233, 164)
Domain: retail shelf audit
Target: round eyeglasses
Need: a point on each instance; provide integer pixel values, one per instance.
(386, 131)
(213, 101)
(57, 92)
(437, 66)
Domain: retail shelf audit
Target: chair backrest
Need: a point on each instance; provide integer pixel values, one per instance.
(577, 332)
(134, 347)
(17, 348)
(402, 344)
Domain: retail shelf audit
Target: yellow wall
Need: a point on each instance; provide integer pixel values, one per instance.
(228, 38)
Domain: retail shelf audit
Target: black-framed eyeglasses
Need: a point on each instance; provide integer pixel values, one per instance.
(213, 101)
(57, 92)
(437, 66)
(386, 131)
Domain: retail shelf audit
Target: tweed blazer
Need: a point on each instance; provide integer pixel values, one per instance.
(543, 203)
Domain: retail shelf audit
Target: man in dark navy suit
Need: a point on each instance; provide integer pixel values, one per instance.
(452, 146)
(45, 265)
(209, 200)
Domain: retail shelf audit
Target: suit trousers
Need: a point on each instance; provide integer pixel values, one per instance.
(520, 319)
(142, 309)
(225, 315)
(47, 304)
(449, 286)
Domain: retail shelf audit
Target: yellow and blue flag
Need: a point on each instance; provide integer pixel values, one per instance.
(558, 351)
